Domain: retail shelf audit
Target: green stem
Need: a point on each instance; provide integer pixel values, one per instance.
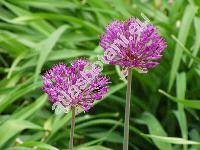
(127, 110)
(72, 129)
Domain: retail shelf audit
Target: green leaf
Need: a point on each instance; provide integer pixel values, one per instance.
(50, 4)
(188, 103)
(76, 21)
(46, 46)
(18, 148)
(112, 137)
(180, 114)
(18, 92)
(30, 109)
(172, 140)
(57, 55)
(67, 53)
(41, 26)
(96, 122)
(14, 64)
(121, 7)
(11, 127)
(93, 148)
(109, 136)
(152, 12)
(155, 128)
(108, 122)
(39, 145)
(196, 59)
(11, 44)
(182, 36)
(195, 136)
(197, 39)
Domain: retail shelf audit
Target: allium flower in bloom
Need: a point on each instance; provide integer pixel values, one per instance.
(132, 44)
(75, 86)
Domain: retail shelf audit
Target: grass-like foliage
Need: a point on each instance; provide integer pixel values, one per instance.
(35, 34)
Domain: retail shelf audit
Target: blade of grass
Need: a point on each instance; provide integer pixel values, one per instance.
(195, 136)
(12, 46)
(11, 127)
(182, 36)
(41, 26)
(175, 9)
(120, 6)
(152, 12)
(108, 122)
(14, 64)
(46, 4)
(172, 140)
(76, 21)
(28, 111)
(18, 148)
(196, 59)
(46, 46)
(56, 55)
(196, 46)
(195, 104)
(155, 128)
(38, 145)
(93, 147)
(17, 93)
(180, 114)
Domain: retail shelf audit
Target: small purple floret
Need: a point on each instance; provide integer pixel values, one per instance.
(75, 86)
(132, 44)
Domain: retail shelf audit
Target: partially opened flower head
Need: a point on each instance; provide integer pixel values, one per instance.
(132, 44)
(75, 86)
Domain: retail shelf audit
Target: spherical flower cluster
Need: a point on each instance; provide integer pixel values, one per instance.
(75, 86)
(132, 44)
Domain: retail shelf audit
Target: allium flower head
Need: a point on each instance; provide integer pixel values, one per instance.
(75, 86)
(132, 44)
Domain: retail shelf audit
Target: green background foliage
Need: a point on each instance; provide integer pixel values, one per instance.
(35, 34)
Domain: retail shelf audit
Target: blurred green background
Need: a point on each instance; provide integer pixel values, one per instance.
(35, 34)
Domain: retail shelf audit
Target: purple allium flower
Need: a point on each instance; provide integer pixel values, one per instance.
(132, 44)
(75, 86)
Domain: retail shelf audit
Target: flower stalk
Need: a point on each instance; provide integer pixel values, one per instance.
(131, 44)
(72, 129)
(127, 111)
